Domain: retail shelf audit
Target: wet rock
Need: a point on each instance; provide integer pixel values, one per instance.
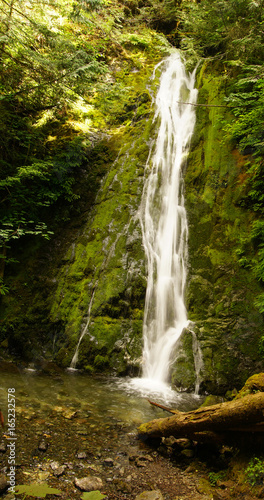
(69, 414)
(123, 486)
(169, 441)
(89, 483)
(182, 443)
(148, 458)
(3, 447)
(43, 446)
(54, 465)
(150, 495)
(60, 471)
(122, 453)
(3, 483)
(140, 462)
(143, 458)
(81, 455)
(187, 453)
(109, 462)
(94, 468)
(43, 475)
(50, 368)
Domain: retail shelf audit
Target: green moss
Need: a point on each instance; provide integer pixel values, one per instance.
(101, 362)
(183, 369)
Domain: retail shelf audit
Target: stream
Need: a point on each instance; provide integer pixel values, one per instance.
(72, 425)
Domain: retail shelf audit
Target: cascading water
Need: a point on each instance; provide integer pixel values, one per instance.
(164, 221)
(85, 330)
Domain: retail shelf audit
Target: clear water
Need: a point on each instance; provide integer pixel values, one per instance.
(107, 399)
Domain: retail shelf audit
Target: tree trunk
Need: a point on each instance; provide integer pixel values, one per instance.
(240, 415)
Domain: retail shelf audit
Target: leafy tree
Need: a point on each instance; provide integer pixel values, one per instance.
(44, 70)
(231, 33)
(226, 29)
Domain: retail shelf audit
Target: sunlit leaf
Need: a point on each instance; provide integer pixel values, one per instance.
(92, 495)
(37, 490)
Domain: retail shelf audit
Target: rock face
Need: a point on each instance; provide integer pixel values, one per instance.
(102, 283)
(97, 286)
(221, 293)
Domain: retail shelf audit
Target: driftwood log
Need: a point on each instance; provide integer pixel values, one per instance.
(211, 423)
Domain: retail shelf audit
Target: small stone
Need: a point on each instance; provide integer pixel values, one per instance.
(54, 465)
(140, 462)
(187, 453)
(190, 469)
(169, 441)
(90, 483)
(69, 414)
(150, 495)
(3, 483)
(148, 458)
(109, 462)
(122, 486)
(43, 446)
(43, 475)
(81, 455)
(183, 443)
(60, 470)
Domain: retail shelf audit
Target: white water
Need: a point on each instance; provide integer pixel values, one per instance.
(85, 330)
(164, 223)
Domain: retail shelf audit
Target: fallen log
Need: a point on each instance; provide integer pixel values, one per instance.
(240, 415)
(166, 408)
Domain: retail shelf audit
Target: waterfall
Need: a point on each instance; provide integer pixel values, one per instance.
(85, 330)
(164, 220)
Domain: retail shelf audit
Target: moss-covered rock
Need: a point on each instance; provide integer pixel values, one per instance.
(91, 276)
(220, 293)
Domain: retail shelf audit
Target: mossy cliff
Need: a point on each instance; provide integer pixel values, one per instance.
(91, 277)
(102, 280)
(220, 294)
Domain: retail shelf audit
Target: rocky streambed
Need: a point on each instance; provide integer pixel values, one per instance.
(77, 434)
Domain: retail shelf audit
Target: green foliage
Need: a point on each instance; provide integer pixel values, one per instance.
(46, 74)
(232, 32)
(36, 490)
(261, 342)
(3, 288)
(214, 477)
(255, 471)
(40, 60)
(229, 29)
